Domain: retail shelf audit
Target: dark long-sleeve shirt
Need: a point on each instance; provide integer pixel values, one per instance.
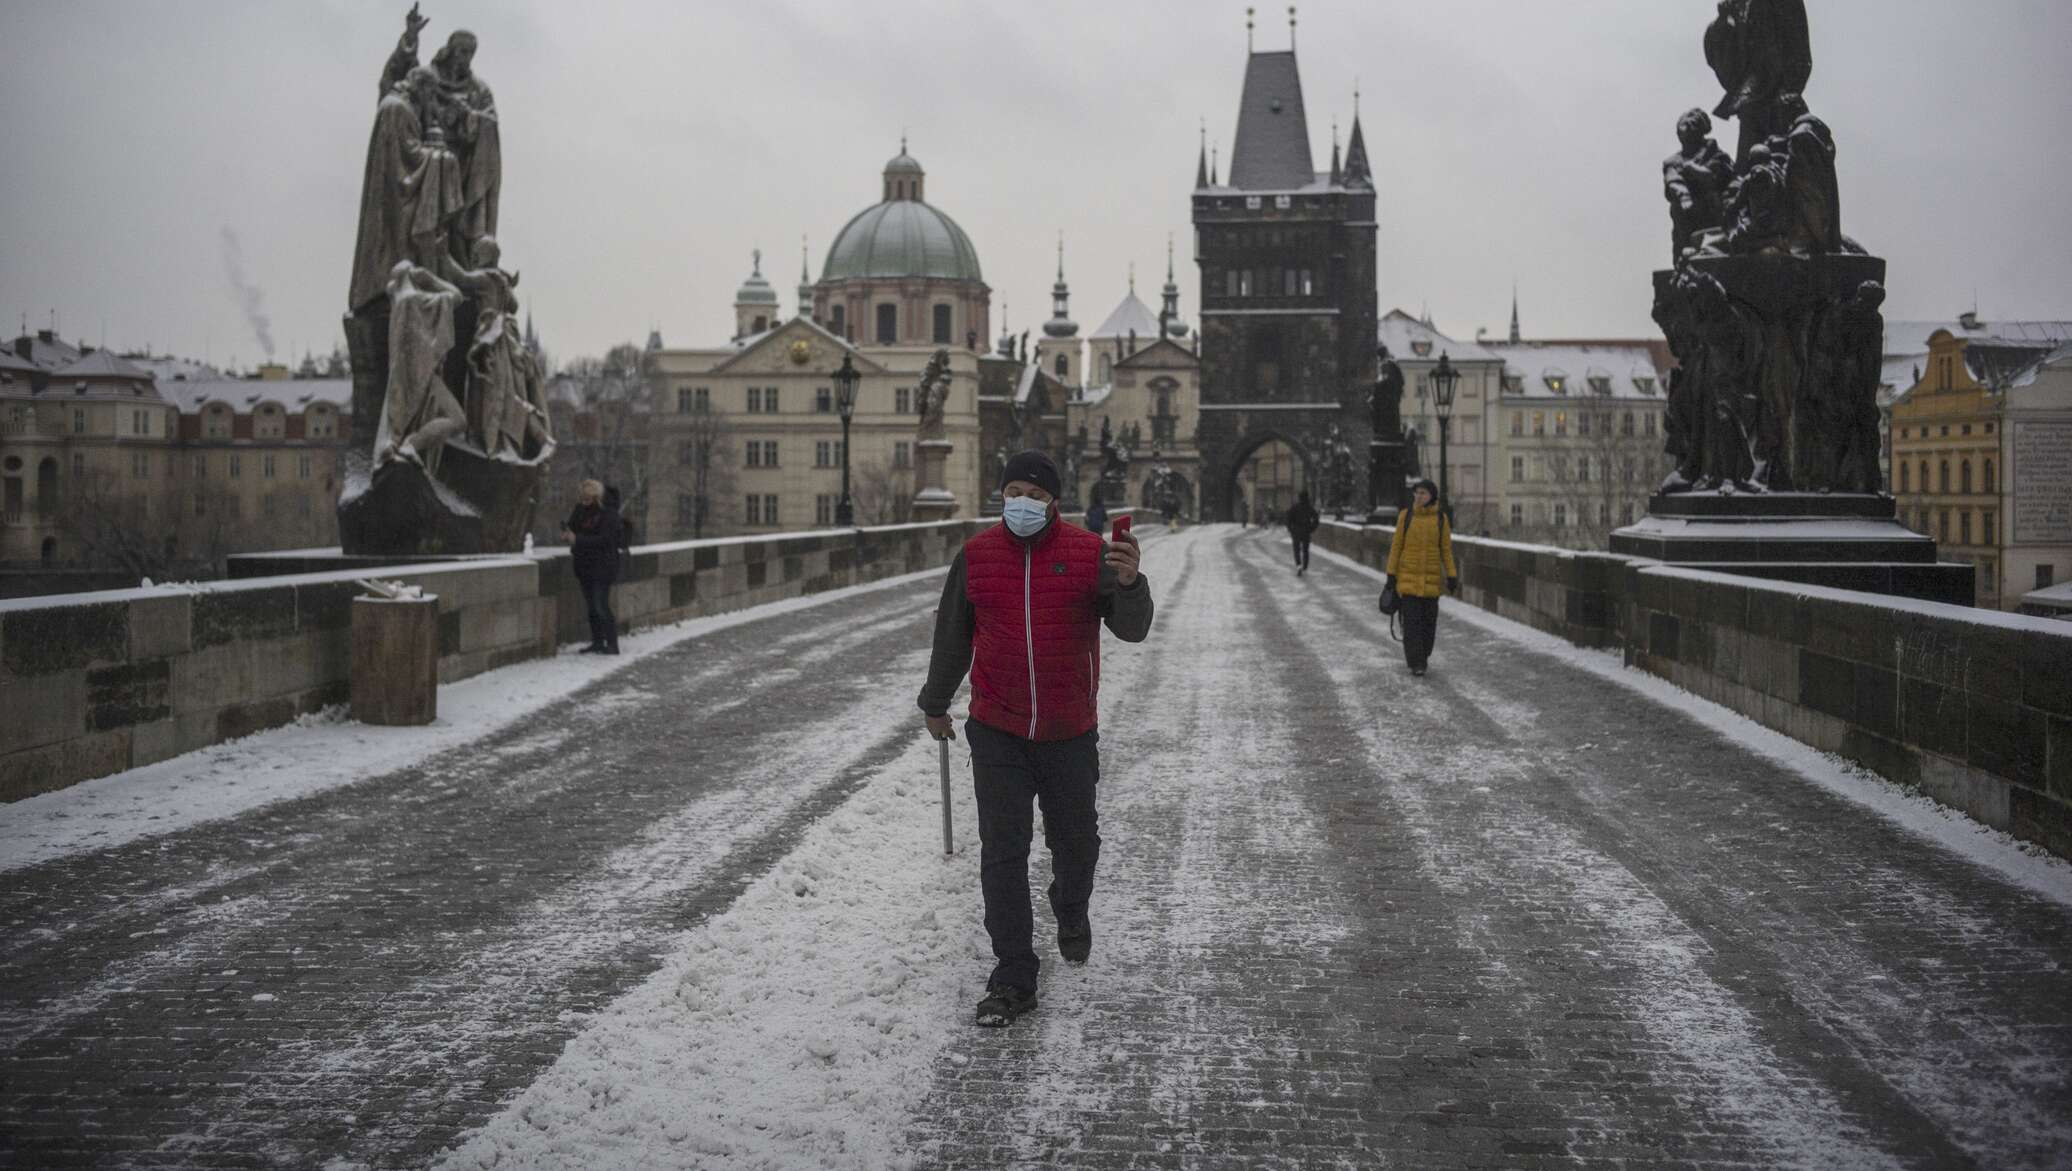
(1125, 611)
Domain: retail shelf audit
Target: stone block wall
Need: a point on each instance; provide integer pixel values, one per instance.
(1971, 707)
(92, 684)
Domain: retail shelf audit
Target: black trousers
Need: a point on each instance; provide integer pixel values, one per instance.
(597, 606)
(1302, 552)
(1420, 628)
(1007, 771)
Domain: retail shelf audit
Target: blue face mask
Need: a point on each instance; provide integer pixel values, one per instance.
(1025, 515)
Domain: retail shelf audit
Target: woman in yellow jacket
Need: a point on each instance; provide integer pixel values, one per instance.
(1421, 566)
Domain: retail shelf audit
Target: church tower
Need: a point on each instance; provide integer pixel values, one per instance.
(755, 303)
(1288, 291)
(1058, 350)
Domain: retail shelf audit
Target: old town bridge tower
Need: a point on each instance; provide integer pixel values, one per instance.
(1288, 298)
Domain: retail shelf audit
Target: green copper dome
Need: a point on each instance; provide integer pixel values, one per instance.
(902, 238)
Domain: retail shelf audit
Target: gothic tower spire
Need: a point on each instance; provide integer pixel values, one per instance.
(1060, 323)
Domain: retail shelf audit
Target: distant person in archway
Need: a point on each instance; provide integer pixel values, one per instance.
(1421, 567)
(592, 533)
(1022, 611)
(1303, 520)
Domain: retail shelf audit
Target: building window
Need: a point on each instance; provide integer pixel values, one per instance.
(1943, 523)
(902, 454)
(903, 400)
(1600, 383)
(683, 400)
(823, 401)
(1517, 514)
(1583, 424)
(1560, 422)
(1964, 527)
(1560, 515)
(1063, 368)
(1230, 282)
(79, 464)
(762, 453)
(140, 464)
(755, 400)
(1517, 469)
(1989, 528)
(752, 510)
(1517, 422)
(1539, 422)
(1964, 477)
(1583, 465)
(1557, 384)
(1626, 425)
(1309, 283)
(1906, 479)
(1986, 482)
(1986, 576)
(2045, 575)
(942, 325)
(836, 323)
(1244, 282)
(770, 508)
(237, 465)
(888, 324)
(302, 467)
(140, 422)
(824, 453)
(1649, 428)
(1625, 514)
(824, 509)
(1943, 471)
(266, 466)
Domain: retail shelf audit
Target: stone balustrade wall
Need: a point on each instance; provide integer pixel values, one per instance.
(91, 684)
(1971, 707)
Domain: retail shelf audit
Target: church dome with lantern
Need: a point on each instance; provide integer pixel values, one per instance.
(901, 271)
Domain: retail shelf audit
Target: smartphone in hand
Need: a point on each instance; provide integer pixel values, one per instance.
(1119, 529)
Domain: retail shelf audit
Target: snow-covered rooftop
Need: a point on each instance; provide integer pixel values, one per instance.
(245, 393)
(1132, 314)
(1411, 340)
(1555, 370)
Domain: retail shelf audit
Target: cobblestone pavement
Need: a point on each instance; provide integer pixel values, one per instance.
(365, 974)
(1510, 915)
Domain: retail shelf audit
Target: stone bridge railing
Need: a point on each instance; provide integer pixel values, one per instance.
(1971, 707)
(91, 684)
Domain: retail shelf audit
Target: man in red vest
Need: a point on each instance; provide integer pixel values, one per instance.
(1022, 612)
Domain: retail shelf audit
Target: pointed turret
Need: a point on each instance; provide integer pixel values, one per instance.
(1201, 161)
(1169, 310)
(1271, 151)
(1514, 314)
(1060, 323)
(805, 283)
(1356, 171)
(1335, 174)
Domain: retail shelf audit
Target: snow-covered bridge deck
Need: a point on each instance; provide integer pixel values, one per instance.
(1528, 911)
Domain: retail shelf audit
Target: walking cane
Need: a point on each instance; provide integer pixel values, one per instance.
(946, 849)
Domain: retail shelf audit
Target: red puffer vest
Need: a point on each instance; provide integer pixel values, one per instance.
(1036, 652)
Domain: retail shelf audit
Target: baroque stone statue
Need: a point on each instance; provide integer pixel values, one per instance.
(932, 394)
(450, 418)
(1768, 303)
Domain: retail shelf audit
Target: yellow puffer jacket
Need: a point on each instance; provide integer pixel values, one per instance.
(1421, 556)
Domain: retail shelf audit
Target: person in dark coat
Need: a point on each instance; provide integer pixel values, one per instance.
(1022, 611)
(1096, 514)
(616, 503)
(592, 533)
(1421, 567)
(1302, 524)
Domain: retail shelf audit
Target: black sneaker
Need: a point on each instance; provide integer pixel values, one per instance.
(1003, 1003)
(1418, 671)
(1075, 939)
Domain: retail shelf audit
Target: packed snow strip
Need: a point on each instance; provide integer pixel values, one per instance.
(327, 749)
(1980, 844)
(798, 1029)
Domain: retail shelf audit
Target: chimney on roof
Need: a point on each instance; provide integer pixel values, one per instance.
(47, 335)
(1968, 319)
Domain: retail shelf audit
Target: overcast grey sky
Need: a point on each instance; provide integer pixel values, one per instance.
(648, 146)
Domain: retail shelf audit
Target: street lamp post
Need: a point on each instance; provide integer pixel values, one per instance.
(845, 402)
(1444, 379)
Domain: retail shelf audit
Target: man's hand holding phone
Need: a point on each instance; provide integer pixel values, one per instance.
(1123, 554)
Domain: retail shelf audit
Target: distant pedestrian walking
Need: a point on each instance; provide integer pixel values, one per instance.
(1096, 513)
(594, 542)
(1421, 567)
(1022, 612)
(1302, 524)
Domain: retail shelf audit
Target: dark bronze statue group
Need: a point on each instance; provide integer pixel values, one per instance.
(1773, 314)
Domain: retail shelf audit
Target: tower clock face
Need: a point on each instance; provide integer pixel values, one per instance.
(801, 352)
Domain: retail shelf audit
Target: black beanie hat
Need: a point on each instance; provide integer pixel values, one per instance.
(1036, 468)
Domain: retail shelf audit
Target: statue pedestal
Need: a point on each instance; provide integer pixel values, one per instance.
(1850, 542)
(934, 501)
(473, 505)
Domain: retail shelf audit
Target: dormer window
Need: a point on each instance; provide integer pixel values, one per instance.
(1558, 383)
(1600, 384)
(1644, 385)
